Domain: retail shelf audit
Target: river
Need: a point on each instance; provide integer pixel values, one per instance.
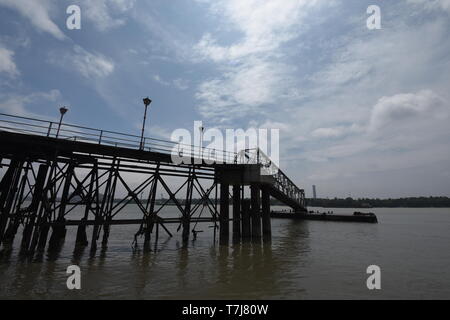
(304, 260)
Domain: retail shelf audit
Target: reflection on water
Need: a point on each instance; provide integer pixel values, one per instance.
(304, 260)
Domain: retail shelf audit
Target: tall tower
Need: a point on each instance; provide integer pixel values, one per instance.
(314, 192)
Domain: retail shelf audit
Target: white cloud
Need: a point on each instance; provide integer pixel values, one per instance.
(38, 12)
(181, 84)
(7, 64)
(408, 58)
(327, 132)
(166, 41)
(158, 79)
(252, 73)
(336, 132)
(178, 83)
(14, 105)
(400, 122)
(241, 89)
(19, 104)
(433, 4)
(404, 132)
(88, 64)
(263, 30)
(107, 14)
(342, 72)
(392, 111)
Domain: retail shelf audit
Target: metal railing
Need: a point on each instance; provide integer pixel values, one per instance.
(269, 168)
(72, 132)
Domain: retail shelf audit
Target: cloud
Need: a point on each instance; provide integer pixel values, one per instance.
(7, 64)
(342, 72)
(252, 72)
(158, 79)
(405, 131)
(107, 14)
(365, 67)
(336, 132)
(38, 12)
(178, 83)
(19, 104)
(89, 65)
(394, 110)
(181, 84)
(433, 4)
(263, 31)
(166, 41)
(241, 89)
(406, 121)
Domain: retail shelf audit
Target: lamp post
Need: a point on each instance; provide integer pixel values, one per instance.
(62, 111)
(147, 102)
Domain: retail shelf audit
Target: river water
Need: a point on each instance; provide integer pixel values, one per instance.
(305, 260)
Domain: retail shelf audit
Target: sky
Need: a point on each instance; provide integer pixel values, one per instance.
(361, 113)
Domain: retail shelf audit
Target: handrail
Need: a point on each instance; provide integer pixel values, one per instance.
(108, 137)
(268, 168)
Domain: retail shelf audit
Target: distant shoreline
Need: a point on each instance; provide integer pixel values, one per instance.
(347, 203)
(378, 207)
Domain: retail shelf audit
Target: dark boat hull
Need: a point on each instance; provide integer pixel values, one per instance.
(325, 217)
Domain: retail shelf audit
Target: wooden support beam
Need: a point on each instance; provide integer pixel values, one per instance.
(256, 211)
(151, 212)
(18, 215)
(266, 223)
(8, 192)
(236, 212)
(187, 207)
(81, 239)
(224, 213)
(34, 207)
(101, 208)
(246, 228)
(59, 231)
(40, 234)
(109, 205)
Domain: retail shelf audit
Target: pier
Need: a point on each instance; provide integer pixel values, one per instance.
(48, 170)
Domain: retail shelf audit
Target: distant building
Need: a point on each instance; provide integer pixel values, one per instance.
(314, 192)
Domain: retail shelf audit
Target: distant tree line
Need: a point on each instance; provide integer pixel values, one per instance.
(413, 202)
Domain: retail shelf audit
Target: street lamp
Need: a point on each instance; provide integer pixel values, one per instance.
(147, 102)
(62, 111)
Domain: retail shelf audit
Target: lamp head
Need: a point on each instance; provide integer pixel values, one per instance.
(147, 101)
(63, 110)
